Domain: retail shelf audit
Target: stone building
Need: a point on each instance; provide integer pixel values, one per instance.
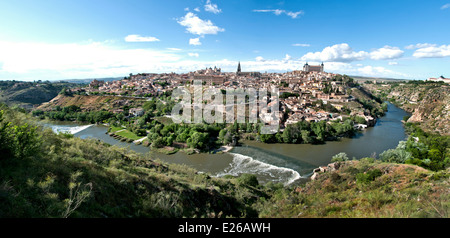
(313, 68)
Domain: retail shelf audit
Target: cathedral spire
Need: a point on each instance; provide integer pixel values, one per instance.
(239, 67)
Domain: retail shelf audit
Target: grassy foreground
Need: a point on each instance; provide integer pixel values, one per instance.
(366, 188)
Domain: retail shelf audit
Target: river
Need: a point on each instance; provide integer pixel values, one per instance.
(285, 163)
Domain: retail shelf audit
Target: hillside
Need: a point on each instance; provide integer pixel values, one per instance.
(28, 94)
(92, 102)
(47, 175)
(362, 79)
(428, 102)
(366, 188)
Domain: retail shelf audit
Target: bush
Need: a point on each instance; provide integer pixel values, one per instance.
(397, 155)
(17, 140)
(340, 157)
(440, 175)
(248, 180)
(158, 143)
(369, 176)
(140, 132)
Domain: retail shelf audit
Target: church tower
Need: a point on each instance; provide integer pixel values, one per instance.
(239, 68)
(306, 67)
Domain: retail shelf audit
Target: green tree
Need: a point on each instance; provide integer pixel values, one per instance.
(319, 129)
(340, 157)
(158, 143)
(306, 138)
(291, 134)
(268, 138)
(6, 139)
(198, 140)
(26, 140)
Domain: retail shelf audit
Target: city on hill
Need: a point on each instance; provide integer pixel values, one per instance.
(309, 94)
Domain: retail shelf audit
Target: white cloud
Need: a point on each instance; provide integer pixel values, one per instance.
(294, 14)
(195, 41)
(287, 57)
(418, 46)
(393, 63)
(197, 9)
(259, 59)
(374, 71)
(210, 7)
(445, 6)
(301, 45)
(138, 38)
(76, 60)
(186, 9)
(336, 53)
(386, 52)
(433, 51)
(278, 12)
(33, 61)
(344, 53)
(197, 26)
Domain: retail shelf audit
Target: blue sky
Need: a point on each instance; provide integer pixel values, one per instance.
(50, 39)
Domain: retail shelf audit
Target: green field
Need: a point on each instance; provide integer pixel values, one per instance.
(115, 128)
(128, 134)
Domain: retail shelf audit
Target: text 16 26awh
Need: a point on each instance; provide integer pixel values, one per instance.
(227, 227)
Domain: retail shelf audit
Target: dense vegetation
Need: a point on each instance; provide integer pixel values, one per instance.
(311, 132)
(430, 151)
(74, 113)
(196, 136)
(205, 137)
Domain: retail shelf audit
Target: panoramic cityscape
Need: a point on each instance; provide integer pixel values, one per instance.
(224, 109)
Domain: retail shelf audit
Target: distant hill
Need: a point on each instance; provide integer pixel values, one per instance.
(28, 94)
(362, 78)
(88, 80)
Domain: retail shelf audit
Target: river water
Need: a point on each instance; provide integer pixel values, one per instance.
(284, 163)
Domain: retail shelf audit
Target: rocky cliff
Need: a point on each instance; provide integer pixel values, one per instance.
(28, 94)
(429, 103)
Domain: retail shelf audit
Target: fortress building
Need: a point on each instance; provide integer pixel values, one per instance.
(313, 68)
